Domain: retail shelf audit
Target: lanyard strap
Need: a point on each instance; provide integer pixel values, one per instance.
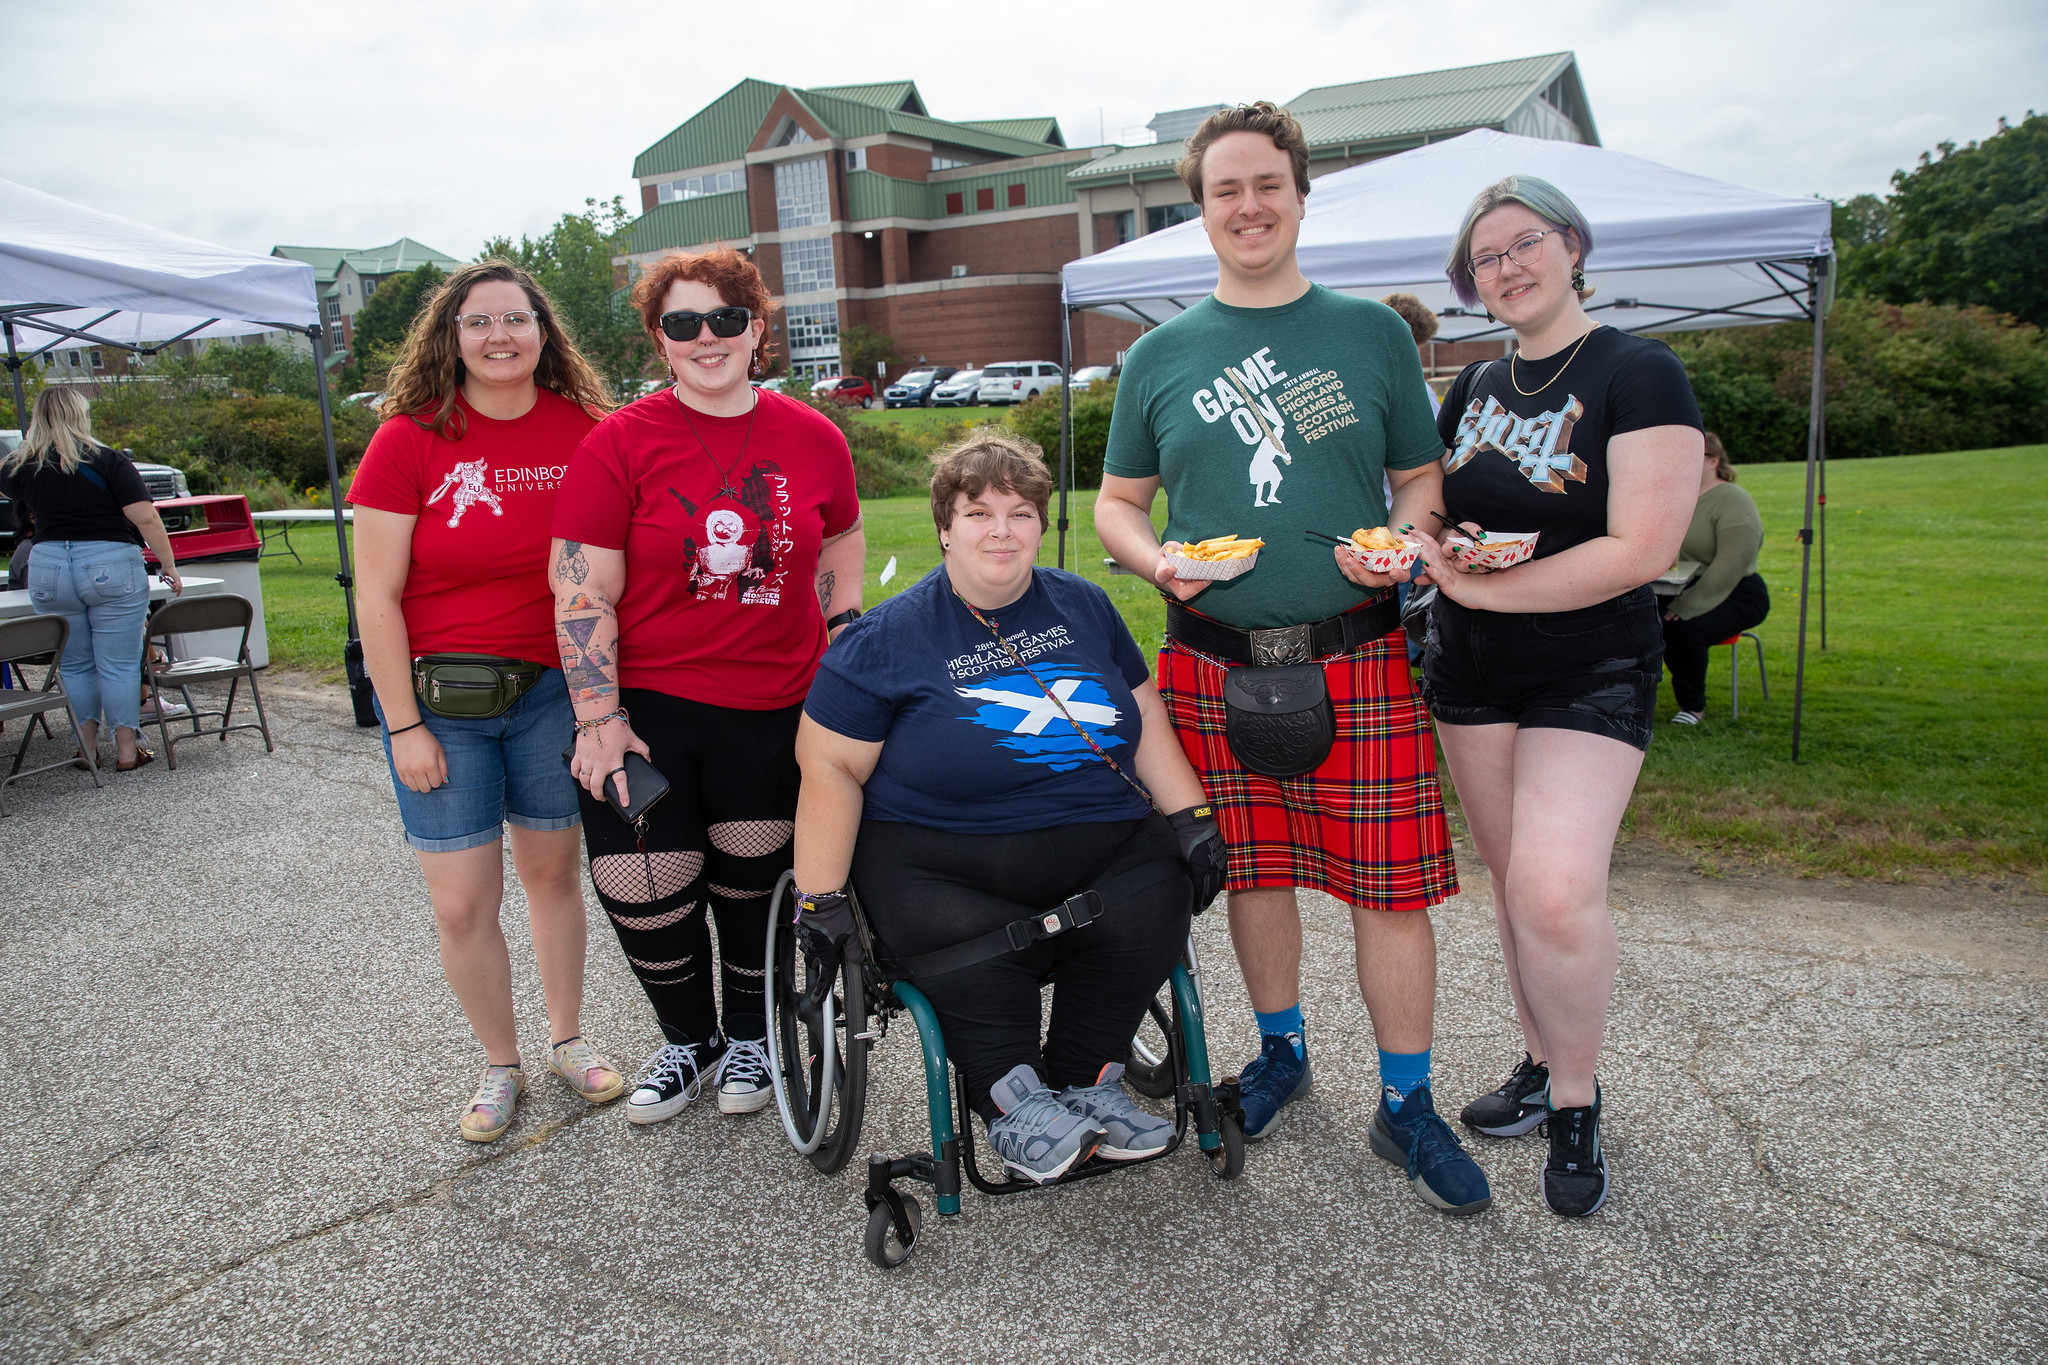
(1053, 697)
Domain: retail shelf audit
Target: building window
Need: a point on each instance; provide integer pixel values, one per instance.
(334, 340)
(73, 358)
(99, 362)
(369, 288)
(807, 265)
(1016, 196)
(349, 289)
(802, 198)
(1158, 220)
(985, 199)
(697, 186)
(792, 134)
(955, 203)
(942, 162)
(857, 159)
(812, 332)
(1125, 226)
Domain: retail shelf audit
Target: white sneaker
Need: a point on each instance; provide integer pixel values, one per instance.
(742, 1077)
(668, 1082)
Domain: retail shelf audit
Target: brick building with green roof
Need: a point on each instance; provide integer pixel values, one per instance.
(861, 208)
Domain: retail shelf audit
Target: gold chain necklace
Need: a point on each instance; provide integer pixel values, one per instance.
(1531, 393)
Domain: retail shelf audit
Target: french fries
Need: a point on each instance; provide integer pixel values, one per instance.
(1218, 548)
(1369, 539)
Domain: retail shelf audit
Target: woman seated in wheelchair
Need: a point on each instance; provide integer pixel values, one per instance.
(987, 759)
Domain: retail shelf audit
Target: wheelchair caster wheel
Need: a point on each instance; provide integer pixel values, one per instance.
(884, 1244)
(1228, 1160)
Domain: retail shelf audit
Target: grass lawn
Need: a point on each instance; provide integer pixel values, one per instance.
(1926, 719)
(927, 422)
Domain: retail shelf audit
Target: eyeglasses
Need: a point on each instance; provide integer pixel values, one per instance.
(1523, 253)
(517, 323)
(725, 322)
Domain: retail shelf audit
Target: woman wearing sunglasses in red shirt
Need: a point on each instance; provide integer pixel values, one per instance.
(706, 540)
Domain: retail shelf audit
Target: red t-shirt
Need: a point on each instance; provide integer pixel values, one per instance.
(721, 600)
(478, 580)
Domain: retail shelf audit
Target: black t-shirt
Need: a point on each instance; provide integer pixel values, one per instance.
(83, 505)
(1538, 462)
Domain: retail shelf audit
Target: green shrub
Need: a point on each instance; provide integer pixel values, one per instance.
(1900, 380)
(1038, 419)
(886, 461)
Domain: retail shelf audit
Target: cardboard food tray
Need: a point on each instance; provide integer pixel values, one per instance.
(1214, 570)
(1503, 549)
(1397, 561)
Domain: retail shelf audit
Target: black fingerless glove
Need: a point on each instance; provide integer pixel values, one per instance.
(822, 922)
(1201, 846)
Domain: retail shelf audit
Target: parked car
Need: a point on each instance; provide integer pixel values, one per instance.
(963, 390)
(848, 390)
(162, 481)
(772, 385)
(1015, 381)
(1087, 375)
(914, 390)
(369, 398)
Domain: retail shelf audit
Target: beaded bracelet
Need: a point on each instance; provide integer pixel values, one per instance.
(600, 722)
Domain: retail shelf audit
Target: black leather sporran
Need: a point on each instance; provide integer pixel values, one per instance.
(1279, 721)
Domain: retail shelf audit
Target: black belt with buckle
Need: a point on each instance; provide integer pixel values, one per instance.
(1284, 644)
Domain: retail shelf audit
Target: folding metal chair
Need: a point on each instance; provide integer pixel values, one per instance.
(189, 616)
(27, 638)
(1734, 643)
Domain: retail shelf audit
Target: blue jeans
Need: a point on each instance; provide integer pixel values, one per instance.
(508, 768)
(101, 588)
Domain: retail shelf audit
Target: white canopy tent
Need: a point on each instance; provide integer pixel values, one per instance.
(71, 275)
(1671, 251)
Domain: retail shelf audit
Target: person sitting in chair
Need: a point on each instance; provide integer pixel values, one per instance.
(984, 747)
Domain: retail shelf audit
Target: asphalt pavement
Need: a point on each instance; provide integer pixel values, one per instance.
(235, 1071)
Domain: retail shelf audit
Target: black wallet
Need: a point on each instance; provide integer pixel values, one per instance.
(643, 779)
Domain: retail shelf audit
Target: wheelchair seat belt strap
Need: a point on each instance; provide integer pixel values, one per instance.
(1079, 909)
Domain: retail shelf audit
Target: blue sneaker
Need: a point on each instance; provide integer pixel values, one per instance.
(1133, 1133)
(1271, 1081)
(1037, 1137)
(1438, 1168)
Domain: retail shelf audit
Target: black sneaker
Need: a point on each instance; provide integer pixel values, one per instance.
(1575, 1176)
(1517, 1106)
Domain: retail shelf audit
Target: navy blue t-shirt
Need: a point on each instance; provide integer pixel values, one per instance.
(970, 743)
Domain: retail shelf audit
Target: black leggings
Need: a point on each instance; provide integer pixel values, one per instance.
(721, 836)
(924, 889)
(1688, 643)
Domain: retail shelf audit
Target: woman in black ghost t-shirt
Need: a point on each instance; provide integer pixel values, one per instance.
(1542, 676)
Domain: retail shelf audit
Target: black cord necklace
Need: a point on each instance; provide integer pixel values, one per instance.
(725, 488)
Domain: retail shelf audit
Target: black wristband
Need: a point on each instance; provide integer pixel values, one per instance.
(403, 728)
(844, 618)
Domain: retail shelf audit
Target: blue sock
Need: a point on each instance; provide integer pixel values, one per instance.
(1403, 1073)
(1280, 1023)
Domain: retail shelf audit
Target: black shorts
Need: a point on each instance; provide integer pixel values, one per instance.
(1595, 669)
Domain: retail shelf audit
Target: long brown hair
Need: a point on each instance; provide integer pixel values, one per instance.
(430, 372)
(1722, 467)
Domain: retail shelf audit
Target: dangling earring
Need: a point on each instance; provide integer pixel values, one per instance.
(671, 373)
(759, 369)
(1578, 280)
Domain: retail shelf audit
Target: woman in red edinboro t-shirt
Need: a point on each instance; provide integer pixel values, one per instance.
(707, 539)
(453, 503)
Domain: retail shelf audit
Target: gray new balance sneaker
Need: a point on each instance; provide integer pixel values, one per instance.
(1132, 1132)
(1037, 1137)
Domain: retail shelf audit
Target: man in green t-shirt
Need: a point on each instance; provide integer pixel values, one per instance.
(1272, 407)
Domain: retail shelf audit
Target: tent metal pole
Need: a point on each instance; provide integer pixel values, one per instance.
(1816, 407)
(14, 370)
(1822, 530)
(1066, 424)
(359, 691)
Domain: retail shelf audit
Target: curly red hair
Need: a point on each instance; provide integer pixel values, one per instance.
(732, 273)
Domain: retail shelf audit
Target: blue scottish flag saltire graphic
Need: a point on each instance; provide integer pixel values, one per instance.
(1032, 728)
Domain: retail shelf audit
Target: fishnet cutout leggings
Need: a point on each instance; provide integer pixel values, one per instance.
(751, 838)
(623, 876)
(644, 923)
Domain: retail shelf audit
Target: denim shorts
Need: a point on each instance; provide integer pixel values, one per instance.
(1594, 670)
(506, 768)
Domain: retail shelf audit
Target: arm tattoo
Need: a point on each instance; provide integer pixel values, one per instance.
(572, 567)
(590, 669)
(825, 582)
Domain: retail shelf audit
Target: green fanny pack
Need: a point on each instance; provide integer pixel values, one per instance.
(472, 686)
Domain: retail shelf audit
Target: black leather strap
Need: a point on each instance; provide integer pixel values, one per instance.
(1287, 644)
(844, 618)
(1072, 913)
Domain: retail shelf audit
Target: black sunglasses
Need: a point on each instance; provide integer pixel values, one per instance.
(725, 322)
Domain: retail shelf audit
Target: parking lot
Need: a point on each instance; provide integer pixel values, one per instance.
(235, 1067)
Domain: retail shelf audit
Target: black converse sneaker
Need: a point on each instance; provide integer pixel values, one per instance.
(1516, 1107)
(1575, 1176)
(671, 1079)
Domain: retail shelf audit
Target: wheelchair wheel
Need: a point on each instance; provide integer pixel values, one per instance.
(1228, 1160)
(883, 1243)
(817, 1066)
(1150, 1069)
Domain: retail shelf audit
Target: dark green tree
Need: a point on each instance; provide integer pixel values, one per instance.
(381, 326)
(862, 348)
(1967, 227)
(573, 262)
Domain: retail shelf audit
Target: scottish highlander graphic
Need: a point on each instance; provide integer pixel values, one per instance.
(467, 479)
(1032, 725)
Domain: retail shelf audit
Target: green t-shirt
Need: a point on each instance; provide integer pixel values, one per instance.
(1269, 421)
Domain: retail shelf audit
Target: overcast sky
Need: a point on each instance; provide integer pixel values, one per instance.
(253, 123)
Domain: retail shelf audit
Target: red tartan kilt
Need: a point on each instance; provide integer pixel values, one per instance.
(1366, 826)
